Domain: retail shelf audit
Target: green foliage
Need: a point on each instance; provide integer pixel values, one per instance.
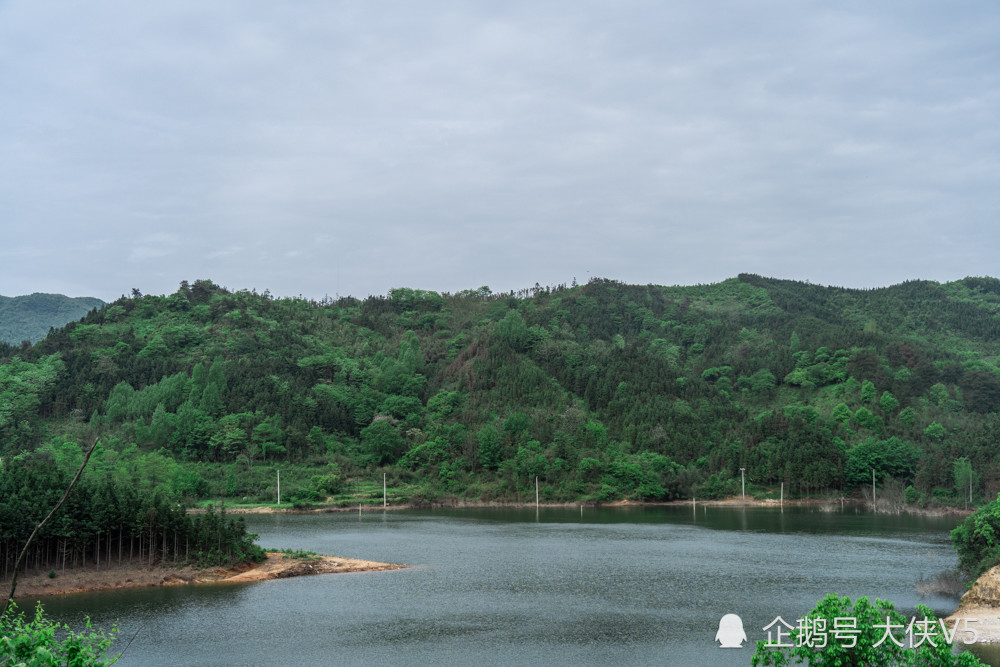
(935, 431)
(865, 419)
(102, 509)
(977, 539)
(299, 554)
(868, 391)
(966, 479)
(42, 642)
(872, 621)
(470, 393)
(892, 457)
(382, 442)
(31, 317)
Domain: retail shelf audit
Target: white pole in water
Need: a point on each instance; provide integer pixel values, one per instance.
(384, 502)
(781, 502)
(279, 487)
(743, 484)
(536, 492)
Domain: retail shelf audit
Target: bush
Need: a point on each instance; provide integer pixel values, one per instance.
(977, 539)
(871, 622)
(35, 642)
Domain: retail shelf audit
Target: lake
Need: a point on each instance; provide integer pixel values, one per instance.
(625, 585)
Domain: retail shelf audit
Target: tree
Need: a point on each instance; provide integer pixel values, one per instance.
(864, 418)
(888, 402)
(382, 441)
(935, 431)
(977, 539)
(489, 449)
(268, 436)
(815, 641)
(842, 413)
(888, 458)
(965, 478)
(512, 331)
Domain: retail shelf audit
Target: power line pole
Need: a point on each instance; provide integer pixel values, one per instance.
(873, 490)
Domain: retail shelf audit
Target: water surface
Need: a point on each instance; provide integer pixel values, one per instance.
(628, 586)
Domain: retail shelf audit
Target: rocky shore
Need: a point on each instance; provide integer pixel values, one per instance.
(981, 606)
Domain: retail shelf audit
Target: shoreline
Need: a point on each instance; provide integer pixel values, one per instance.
(277, 565)
(829, 504)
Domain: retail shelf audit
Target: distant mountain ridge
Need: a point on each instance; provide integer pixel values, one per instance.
(31, 316)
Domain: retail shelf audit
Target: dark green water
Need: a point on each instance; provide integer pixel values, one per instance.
(626, 586)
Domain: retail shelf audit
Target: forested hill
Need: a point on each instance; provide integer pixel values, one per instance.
(30, 317)
(602, 390)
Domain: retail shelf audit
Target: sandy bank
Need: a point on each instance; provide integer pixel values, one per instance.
(982, 603)
(275, 566)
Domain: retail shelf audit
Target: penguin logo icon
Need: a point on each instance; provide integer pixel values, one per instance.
(731, 634)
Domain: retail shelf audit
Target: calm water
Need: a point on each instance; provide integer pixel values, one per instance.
(626, 586)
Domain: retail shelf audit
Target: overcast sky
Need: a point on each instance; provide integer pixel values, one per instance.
(321, 147)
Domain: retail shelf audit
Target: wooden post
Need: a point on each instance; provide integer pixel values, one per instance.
(384, 501)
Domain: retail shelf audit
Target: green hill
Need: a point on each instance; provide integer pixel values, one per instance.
(30, 317)
(602, 391)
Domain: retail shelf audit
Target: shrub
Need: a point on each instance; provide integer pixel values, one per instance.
(977, 539)
(35, 642)
(870, 647)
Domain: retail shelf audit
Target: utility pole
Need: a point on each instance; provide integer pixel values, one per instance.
(743, 484)
(873, 490)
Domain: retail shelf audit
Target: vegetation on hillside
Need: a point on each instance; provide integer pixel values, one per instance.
(601, 391)
(29, 318)
(977, 539)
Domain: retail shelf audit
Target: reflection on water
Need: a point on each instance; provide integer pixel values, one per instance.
(630, 585)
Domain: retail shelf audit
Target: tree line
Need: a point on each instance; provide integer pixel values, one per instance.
(602, 391)
(106, 523)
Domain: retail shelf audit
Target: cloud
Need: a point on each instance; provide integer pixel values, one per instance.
(446, 146)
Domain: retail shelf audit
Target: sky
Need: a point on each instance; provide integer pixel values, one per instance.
(326, 148)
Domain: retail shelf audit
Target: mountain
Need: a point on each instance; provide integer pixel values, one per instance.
(30, 317)
(601, 391)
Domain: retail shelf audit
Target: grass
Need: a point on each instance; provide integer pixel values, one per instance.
(299, 554)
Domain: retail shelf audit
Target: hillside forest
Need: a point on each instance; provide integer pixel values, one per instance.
(602, 391)
(30, 317)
